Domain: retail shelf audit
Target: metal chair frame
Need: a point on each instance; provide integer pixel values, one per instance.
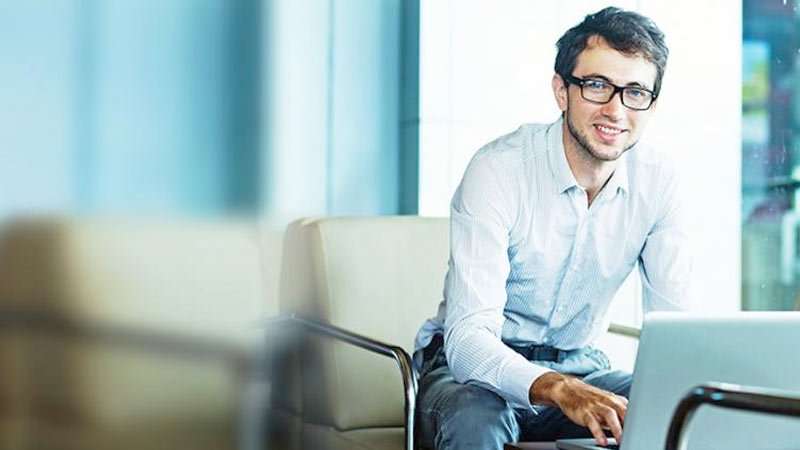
(732, 396)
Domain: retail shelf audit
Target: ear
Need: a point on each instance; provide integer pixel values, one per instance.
(560, 91)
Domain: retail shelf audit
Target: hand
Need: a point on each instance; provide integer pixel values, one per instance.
(582, 403)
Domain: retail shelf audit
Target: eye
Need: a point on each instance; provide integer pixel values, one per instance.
(636, 93)
(595, 85)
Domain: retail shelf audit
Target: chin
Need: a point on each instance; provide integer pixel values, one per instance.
(607, 155)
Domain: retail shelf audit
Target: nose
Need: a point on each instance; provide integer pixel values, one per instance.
(614, 108)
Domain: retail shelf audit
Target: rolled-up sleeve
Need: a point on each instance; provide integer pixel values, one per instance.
(482, 213)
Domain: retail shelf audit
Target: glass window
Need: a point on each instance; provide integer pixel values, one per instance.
(770, 155)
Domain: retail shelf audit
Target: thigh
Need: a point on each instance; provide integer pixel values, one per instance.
(616, 381)
(452, 415)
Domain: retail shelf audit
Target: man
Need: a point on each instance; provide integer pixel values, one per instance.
(546, 224)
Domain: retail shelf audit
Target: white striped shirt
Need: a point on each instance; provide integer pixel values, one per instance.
(531, 262)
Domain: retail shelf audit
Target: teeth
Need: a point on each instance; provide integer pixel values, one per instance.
(608, 130)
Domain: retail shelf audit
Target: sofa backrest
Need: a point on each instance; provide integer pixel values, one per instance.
(377, 276)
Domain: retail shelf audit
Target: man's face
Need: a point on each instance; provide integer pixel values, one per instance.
(605, 131)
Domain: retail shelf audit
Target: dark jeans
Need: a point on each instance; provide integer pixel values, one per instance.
(451, 415)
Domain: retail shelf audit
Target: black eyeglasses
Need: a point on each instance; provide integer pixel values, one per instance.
(601, 92)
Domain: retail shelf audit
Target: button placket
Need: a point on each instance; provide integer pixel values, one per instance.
(582, 211)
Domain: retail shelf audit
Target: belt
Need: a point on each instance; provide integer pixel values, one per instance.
(437, 341)
(535, 352)
(530, 352)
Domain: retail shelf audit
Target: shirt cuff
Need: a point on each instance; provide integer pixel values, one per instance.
(517, 380)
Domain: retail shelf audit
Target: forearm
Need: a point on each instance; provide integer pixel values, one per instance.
(475, 355)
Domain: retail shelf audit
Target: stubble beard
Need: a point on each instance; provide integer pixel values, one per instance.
(586, 147)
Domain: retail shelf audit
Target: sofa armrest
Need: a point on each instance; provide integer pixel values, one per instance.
(769, 401)
(624, 330)
(400, 356)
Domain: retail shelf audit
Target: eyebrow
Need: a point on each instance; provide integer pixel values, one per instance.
(598, 76)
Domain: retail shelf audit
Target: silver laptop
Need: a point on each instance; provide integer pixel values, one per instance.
(678, 351)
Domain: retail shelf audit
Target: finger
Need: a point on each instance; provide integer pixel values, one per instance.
(621, 408)
(612, 422)
(597, 431)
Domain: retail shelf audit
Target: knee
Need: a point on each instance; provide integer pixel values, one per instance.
(479, 419)
(621, 383)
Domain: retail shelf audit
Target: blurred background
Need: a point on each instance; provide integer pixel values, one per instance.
(265, 111)
(205, 107)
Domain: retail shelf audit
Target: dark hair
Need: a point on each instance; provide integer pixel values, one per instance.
(625, 31)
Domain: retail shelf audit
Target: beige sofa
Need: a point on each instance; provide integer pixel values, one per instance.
(377, 277)
(130, 334)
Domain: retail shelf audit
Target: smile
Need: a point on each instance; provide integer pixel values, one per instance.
(607, 133)
(609, 130)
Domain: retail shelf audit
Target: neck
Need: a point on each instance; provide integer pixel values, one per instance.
(591, 173)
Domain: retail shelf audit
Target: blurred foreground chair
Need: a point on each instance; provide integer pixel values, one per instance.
(129, 334)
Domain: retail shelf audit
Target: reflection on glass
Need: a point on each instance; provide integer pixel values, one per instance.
(770, 155)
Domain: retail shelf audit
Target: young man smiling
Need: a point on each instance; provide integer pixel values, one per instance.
(546, 224)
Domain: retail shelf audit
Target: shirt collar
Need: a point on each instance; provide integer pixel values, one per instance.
(557, 158)
(619, 179)
(562, 174)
